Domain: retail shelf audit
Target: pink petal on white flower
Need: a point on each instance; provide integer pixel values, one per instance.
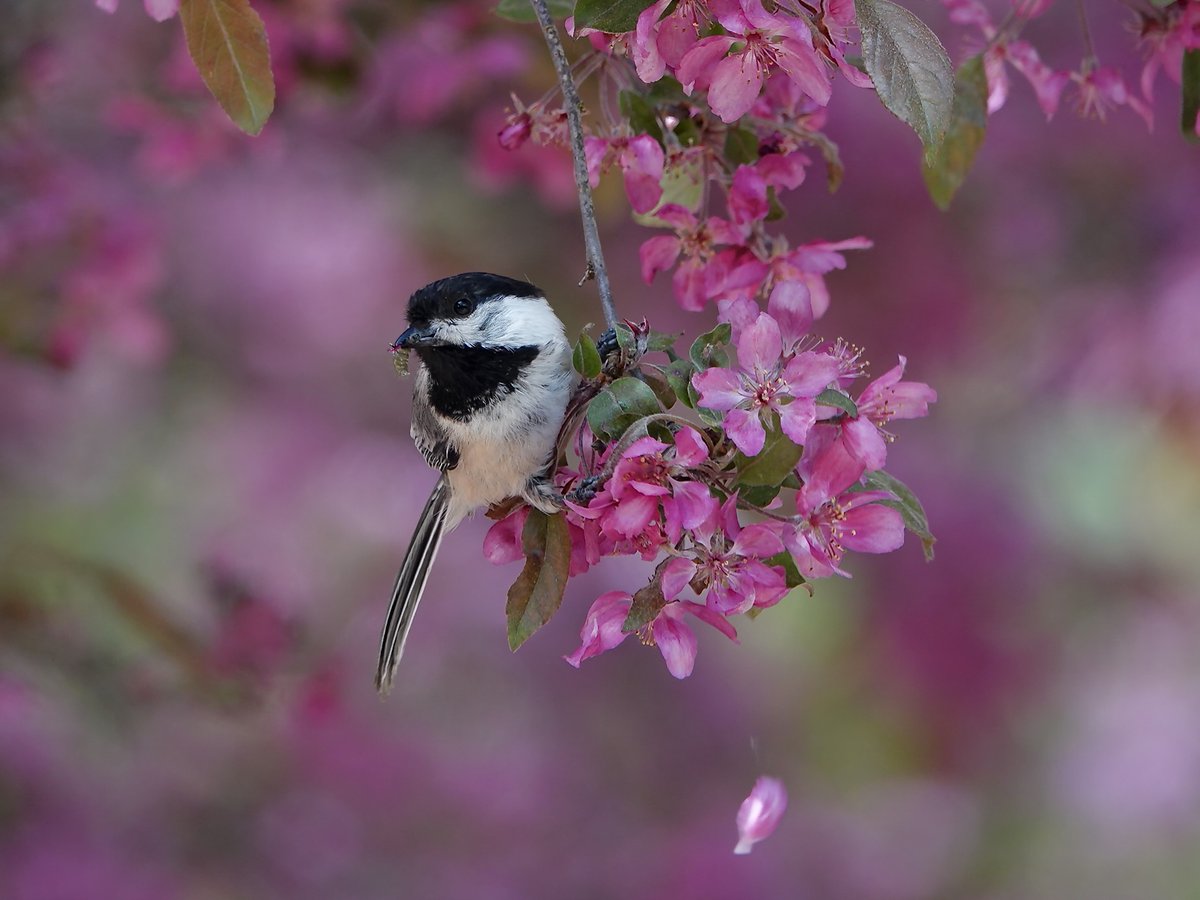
(872, 529)
(602, 627)
(642, 163)
(746, 431)
(696, 68)
(736, 84)
(796, 418)
(676, 642)
(690, 449)
(676, 575)
(761, 345)
(805, 67)
(657, 254)
(760, 813)
(791, 307)
(809, 373)
(502, 543)
(719, 389)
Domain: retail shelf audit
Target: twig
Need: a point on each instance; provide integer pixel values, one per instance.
(587, 211)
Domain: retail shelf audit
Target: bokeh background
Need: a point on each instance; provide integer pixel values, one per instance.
(208, 484)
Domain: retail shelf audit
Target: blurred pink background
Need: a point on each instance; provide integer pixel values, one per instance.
(208, 485)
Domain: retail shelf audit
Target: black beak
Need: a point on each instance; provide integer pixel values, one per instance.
(416, 337)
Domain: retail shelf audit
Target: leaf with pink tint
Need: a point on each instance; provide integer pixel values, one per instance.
(228, 43)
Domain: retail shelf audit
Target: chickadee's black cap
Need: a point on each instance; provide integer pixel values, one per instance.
(437, 300)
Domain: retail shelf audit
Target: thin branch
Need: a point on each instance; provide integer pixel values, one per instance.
(587, 211)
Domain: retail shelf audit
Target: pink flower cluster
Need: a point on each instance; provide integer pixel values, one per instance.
(676, 501)
(1167, 32)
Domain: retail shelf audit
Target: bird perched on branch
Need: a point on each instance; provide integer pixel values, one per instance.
(488, 400)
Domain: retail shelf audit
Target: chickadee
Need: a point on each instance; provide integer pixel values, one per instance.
(487, 405)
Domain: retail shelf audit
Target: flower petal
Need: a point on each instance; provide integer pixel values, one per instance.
(791, 307)
(502, 543)
(602, 626)
(809, 373)
(761, 345)
(872, 529)
(796, 418)
(760, 813)
(719, 389)
(676, 575)
(736, 84)
(657, 254)
(676, 642)
(690, 449)
(745, 430)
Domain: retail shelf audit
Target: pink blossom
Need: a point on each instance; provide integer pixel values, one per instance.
(652, 476)
(602, 631)
(760, 813)
(159, 10)
(660, 42)
(502, 543)
(765, 380)
(1167, 34)
(1104, 87)
(834, 518)
(864, 437)
(641, 160)
(726, 562)
(696, 242)
(766, 42)
(602, 626)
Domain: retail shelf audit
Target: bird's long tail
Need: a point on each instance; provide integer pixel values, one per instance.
(410, 583)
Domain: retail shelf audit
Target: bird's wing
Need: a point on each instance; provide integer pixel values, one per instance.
(430, 436)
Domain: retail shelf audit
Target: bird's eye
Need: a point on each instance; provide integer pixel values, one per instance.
(462, 306)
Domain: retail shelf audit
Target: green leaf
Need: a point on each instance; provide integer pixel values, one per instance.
(586, 358)
(908, 505)
(741, 145)
(909, 67)
(626, 339)
(1190, 82)
(640, 114)
(679, 374)
(708, 349)
(773, 463)
(620, 405)
(775, 210)
(522, 10)
(228, 44)
(946, 168)
(830, 397)
(647, 603)
(662, 341)
(758, 495)
(537, 593)
(610, 16)
(793, 576)
(659, 383)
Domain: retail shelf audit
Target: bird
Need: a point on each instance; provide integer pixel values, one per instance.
(488, 400)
